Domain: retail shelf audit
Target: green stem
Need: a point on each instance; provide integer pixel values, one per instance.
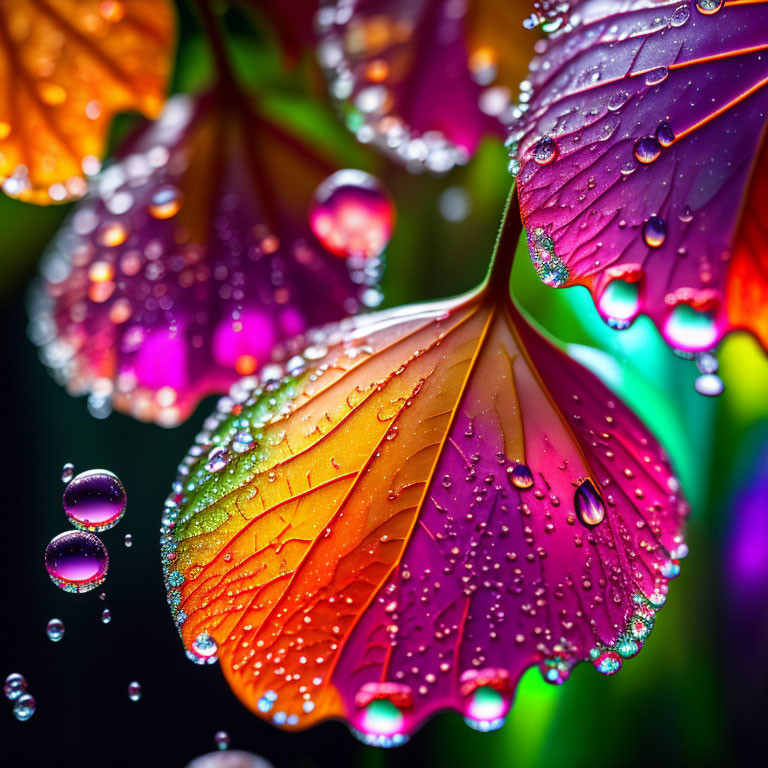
(211, 26)
(500, 269)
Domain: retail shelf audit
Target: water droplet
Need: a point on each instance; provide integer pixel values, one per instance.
(106, 616)
(656, 76)
(95, 500)
(24, 707)
(352, 214)
(706, 362)
(486, 709)
(166, 202)
(618, 100)
(67, 472)
(654, 232)
(687, 215)
(708, 7)
(607, 663)
(665, 135)
(550, 268)
(709, 384)
(619, 303)
(134, 691)
(680, 15)
(77, 561)
(217, 459)
(222, 739)
(545, 150)
(15, 685)
(128, 540)
(690, 329)
(382, 724)
(521, 475)
(55, 630)
(589, 503)
(647, 149)
(203, 650)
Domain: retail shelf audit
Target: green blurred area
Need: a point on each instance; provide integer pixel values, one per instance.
(671, 698)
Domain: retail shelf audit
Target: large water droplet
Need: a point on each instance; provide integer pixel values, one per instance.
(647, 149)
(352, 214)
(545, 150)
(654, 232)
(690, 329)
(521, 476)
(708, 7)
(24, 707)
(619, 303)
(486, 709)
(55, 630)
(95, 500)
(589, 503)
(382, 724)
(77, 561)
(15, 685)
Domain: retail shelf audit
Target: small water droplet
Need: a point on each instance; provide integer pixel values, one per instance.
(619, 303)
(687, 215)
(128, 540)
(106, 616)
(545, 150)
(618, 100)
(589, 503)
(521, 476)
(706, 362)
(134, 691)
(55, 630)
(15, 686)
(647, 149)
(95, 500)
(680, 16)
(217, 459)
(203, 650)
(76, 561)
(221, 738)
(656, 76)
(665, 135)
(166, 202)
(352, 214)
(654, 232)
(607, 663)
(67, 472)
(709, 384)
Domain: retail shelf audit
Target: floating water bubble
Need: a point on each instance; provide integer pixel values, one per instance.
(106, 616)
(545, 150)
(203, 650)
(77, 561)
(128, 540)
(709, 384)
(15, 686)
(589, 503)
(221, 738)
(134, 691)
(231, 759)
(521, 476)
(619, 303)
(67, 472)
(708, 7)
(352, 214)
(24, 707)
(654, 232)
(55, 630)
(486, 709)
(95, 500)
(690, 329)
(647, 149)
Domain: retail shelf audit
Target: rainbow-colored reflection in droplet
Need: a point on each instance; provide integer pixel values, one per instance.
(95, 500)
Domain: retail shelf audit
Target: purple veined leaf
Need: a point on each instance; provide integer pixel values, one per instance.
(424, 80)
(429, 501)
(641, 159)
(190, 259)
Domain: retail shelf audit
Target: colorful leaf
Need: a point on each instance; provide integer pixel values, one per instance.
(642, 162)
(66, 68)
(423, 80)
(190, 259)
(429, 501)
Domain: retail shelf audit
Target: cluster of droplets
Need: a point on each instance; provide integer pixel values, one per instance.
(547, 14)
(15, 689)
(550, 268)
(94, 501)
(359, 85)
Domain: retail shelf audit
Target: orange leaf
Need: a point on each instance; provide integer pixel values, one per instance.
(66, 68)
